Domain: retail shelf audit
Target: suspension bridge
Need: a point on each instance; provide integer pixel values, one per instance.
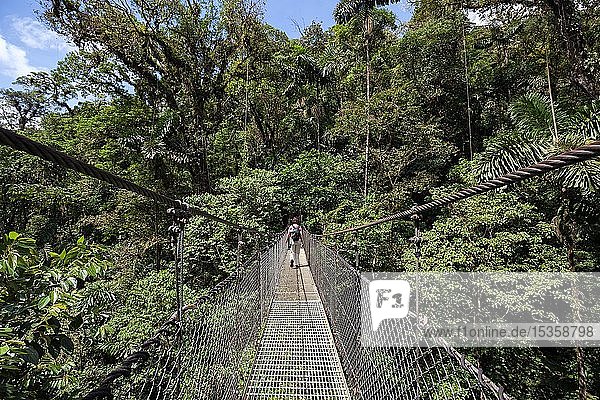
(269, 331)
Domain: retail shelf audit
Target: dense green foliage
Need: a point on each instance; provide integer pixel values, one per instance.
(202, 100)
(47, 310)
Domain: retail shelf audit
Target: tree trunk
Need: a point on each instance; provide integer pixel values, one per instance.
(198, 170)
(581, 375)
(566, 231)
(319, 113)
(368, 122)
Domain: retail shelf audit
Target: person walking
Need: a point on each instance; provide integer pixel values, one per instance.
(294, 239)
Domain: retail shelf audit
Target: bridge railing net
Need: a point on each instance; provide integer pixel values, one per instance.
(433, 372)
(210, 354)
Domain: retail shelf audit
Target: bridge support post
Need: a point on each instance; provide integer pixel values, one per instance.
(356, 253)
(307, 242)
(180, 216)
(417, 240)
(239, 250)
(261, 283)
(334, 288)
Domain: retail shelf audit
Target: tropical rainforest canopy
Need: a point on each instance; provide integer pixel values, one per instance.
(203, 101)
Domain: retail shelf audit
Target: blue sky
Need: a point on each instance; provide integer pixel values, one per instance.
(282, 13)
(26, 45)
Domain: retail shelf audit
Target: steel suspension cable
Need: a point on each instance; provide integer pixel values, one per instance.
(19, 142)
(577, 155)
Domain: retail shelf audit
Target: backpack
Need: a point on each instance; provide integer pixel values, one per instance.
(295, 234)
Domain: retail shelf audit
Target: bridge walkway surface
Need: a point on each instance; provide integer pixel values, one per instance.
(297, 357)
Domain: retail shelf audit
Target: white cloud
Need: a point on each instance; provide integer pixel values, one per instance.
(13, 60)
(36, 36)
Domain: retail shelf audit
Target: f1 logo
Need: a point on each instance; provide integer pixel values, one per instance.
(388, 299)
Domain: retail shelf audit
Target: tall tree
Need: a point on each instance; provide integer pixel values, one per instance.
(362, 10)
(176, 55)
(567, 19)
(20, 109)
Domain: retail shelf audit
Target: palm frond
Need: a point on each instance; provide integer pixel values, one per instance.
(585, 124)
(537, 84)
(533, 141)
(508, 152)
(584, 127)
(584, 176)
(532, 114)
(336, 60)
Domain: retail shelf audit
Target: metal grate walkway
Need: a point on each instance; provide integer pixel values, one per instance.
(297, 358)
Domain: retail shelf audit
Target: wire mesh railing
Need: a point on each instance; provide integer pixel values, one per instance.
(433, 372)
(210, 353)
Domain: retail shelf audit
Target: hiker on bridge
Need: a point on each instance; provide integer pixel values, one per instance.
(294, 239)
